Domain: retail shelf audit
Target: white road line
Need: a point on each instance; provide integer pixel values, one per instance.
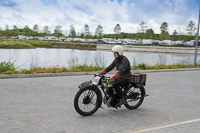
(166, 126)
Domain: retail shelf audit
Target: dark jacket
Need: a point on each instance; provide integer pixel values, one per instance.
(123, 66)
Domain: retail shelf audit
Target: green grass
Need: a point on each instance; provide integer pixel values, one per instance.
(24, 44)
(13, 44)
(39, 44)
(178, 65)
(8, 68)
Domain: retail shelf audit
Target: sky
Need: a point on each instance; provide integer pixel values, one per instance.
(107, 13)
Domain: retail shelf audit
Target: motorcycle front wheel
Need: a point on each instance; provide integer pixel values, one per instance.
(134, 97)
(87, 101)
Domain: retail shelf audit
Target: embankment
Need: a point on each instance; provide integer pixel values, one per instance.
(152, 49)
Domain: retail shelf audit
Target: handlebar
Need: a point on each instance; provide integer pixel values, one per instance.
(102, 76)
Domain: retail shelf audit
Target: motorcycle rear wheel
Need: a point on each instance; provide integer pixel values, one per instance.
(87, 101)
(134, 97)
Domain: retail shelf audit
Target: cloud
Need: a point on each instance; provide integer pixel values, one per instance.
(7, 3)
(108, 13)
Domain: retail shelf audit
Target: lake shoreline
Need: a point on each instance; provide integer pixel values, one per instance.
(151, 49)
(74, 47)
(31, 44)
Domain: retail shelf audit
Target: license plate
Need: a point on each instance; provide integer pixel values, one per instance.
(96, 81)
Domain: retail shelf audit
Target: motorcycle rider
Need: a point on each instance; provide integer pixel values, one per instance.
(123, 76)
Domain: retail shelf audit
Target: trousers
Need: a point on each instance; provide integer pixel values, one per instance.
(118, 84)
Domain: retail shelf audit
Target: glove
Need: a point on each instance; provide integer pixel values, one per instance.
(102, 72)
(111, 79)
(116, 76)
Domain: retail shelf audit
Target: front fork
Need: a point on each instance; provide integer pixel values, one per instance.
(99, 94)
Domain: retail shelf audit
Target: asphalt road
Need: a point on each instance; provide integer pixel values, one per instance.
(45, 105)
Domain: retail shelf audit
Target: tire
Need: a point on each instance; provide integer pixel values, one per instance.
(134, 97)
(87, 100)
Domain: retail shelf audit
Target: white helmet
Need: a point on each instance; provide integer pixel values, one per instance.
(118, 49)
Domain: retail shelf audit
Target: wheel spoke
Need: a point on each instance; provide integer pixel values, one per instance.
(133, 98)
(91, 101)
(92, 95)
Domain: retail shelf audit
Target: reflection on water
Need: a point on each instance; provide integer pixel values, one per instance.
(43, 57)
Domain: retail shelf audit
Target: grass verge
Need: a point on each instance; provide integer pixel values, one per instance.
(8, 68)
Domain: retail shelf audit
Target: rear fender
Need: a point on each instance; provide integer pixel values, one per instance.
(143, 90)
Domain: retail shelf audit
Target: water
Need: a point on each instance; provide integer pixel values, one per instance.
(44, 57)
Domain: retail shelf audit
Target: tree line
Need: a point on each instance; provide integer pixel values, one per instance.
(143, 32)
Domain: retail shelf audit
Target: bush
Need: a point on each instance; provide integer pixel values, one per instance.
(198, 65)
(160, 66)
(27, 71)
(6, 66)
(9, 72)
(64, 69)
(142, 66)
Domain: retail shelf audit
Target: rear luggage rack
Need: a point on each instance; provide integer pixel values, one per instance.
(138, 79)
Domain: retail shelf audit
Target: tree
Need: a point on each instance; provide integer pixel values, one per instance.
(186, 38)
(191, 28)
(99, 31)
(82, 35)
(149, 34)
(164, 27)
(174, 36)
(7, 32)
(164, 35)
(117, 29)
(58, 31)
(15, 30)
(143, 27)
(175, 33)
(86, 31)
(35, 30)
(27, 30)
(1, 33)
(140, 35)
(164, 31)
(72, 31)
(180, 37)
(156, 36)
(46, 30)
(6, 27)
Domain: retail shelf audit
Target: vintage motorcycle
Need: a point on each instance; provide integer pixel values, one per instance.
(89, 97)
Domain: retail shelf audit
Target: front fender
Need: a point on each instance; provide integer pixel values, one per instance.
(84, 86)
